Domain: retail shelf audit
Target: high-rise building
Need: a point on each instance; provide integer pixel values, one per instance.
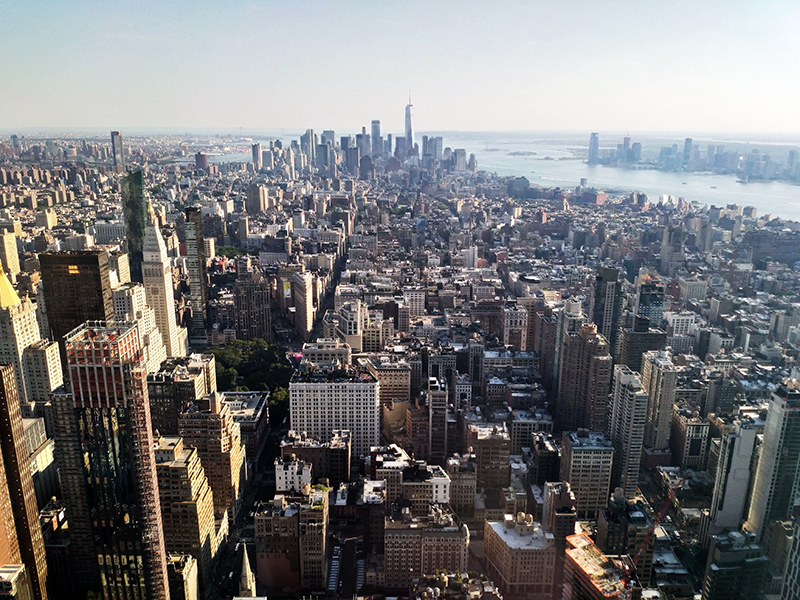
(130, 305)
(377, 140)
(778, 475)
(594, 149)
(492, 448)
(623, 527)
(515, 327)
(9, 257)
(791, 581)
(304, 303)
(409, 129)
(586, 464)
(329, 459)
(591, 575)
(251, 298)
(322, 402)
(256, 199)
(198, 279)
(570, 319)
(208, 425)
(291, 535)
(179, 383)
(520, 557)
(736, 568)
(638, 340)
(628, 413)
(735, 469)
(650, 300)
(416, 546)
(104, 448)
(24, 512)
(606, 304)
(83, 277)
(182, 576)
(117, 151)
(159, 289)
(584, 380)
(437, 420)
(687, 152)
(558, 518)
(19, 329)
(659, 379)
(187, 505)
(257, 157)
(15, 584)
(134, 209)
(673, 255)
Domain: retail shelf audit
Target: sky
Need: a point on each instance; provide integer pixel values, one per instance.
(567, 65)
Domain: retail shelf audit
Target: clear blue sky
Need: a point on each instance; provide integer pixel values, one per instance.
(594, 65)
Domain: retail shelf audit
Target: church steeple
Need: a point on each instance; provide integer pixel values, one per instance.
(247, 581)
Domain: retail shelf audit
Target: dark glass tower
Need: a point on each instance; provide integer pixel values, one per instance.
(104, 447)
(134, 209)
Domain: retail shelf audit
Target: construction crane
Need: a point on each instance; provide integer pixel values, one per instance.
(625, 574)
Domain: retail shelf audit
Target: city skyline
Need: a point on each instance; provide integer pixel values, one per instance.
(648, 68)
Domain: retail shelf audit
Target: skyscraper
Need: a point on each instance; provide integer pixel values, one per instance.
(134, 209)
(17, 466)
(157, 278)
(257, 156)
(437, 420)
(304, 303)
(687, 152)
(569, 321)
(409, 128)
(734, 474)
(117, 151)
(659, 379)
(586, 463)
(18, 330)
(606, 304)
(377, 141)
(198, 280)
(130, 305)
(84, 278)
(594, 149)
(778, 474)
(673, 256)
(251, 298)
(104, 447)
(626, 428)
(584, 381)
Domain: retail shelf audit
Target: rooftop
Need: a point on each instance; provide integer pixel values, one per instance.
(527, 535)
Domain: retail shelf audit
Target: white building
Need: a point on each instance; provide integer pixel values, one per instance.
(586, 463)
(734, 472)
(291, 474)
(157, 278)
(130, 305)
(659, 378)
(321, 402)
(415, 300)
(626, 428)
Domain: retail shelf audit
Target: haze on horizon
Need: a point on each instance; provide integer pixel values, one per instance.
(682, 66)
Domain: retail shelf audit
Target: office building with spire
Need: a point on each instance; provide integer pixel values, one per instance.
(104, 448)
(409, 128)
(159, 289)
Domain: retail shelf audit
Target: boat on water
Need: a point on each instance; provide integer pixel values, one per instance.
(713, 187)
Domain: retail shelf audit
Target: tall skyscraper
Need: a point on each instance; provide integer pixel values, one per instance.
(187, 505)
(659, 379)
(637, 340)
(791, 581)
(586, 463)
(734, 474)
(84, 278)
(251, 298)
(257, 156)
(569, 321)
(19, 329)
(584, 381)
(736, 568)
(198, 279)
(650, 299)
(157, 279)
(673, 256)
(104, 448)
(606, 304)
(304, 303)
(117, 151)
(594, 149)
(626, 428)
(778, 475)
(409, 128)
(134, 209)
(687, 152)
(17, 466)
(130, 305)
(377, 140)
(437, 420)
